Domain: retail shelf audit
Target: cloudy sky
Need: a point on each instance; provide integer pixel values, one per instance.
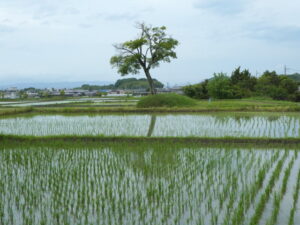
(71, 40)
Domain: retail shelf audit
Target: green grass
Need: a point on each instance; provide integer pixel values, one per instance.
(239, 105)
(166, 100)
(68, 183)
(250, 104)
(127, 139)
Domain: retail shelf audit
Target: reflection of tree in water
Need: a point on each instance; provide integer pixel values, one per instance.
(272, 118)
(239, 118)
(152, 159)
(151, 126)
(224, 120)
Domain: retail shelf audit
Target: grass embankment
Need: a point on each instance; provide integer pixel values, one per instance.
(166, 100)
(274, 142)
(244, 105)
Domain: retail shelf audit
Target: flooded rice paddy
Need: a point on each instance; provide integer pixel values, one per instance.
(70, 102)
(172, 125)
(142, 184)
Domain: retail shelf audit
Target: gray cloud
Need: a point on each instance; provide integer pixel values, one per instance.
(6, 29)
(221, 6)
(85, 25)
(71, 11)
(122, 16)
(45, 11)
(274, 33)
(127, 16)
(214, 36)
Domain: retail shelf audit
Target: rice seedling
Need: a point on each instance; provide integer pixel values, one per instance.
(138, 183)
(295, 199)
(199, 125)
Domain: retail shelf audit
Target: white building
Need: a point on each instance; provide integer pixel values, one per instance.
(11, 93)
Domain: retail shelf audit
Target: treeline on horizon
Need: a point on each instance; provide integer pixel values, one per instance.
(125, 84)
(241, 84)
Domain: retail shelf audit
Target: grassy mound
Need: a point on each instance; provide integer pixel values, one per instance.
(165, 100)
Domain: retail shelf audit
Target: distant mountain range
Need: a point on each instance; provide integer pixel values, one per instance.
(295, 76)
(58, 85)
(127, 84)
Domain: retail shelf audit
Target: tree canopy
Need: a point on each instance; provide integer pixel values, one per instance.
(146, 52)
(127, 84)
(242, 84)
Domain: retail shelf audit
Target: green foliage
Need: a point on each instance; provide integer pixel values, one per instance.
(126, 64)
(295, 77)
(242, 84)
(128, 84)
(23, 94)
(62, 93)
(267, 83)
(220, 87)
(288, 84)
(133, 83)
(295, 97)
(96, 87)
(165, 100)
(198, 91)
(158, 48)
(146, 52)
(278, 87)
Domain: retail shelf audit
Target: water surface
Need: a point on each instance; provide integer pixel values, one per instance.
(173, 125)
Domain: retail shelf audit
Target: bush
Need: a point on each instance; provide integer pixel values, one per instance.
(278, 93)
(220, 87)
(198, 91)
(294, 97)
(165, 100)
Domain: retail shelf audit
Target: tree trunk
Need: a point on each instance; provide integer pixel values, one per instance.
(152, 125)
(150, 81)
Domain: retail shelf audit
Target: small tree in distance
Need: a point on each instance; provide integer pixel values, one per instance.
(146, 52)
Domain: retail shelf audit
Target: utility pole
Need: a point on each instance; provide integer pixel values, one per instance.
(285, 69)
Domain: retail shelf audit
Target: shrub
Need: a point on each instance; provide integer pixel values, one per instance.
(198, 91)
(220, 87)
(278, 93)
(165, 100)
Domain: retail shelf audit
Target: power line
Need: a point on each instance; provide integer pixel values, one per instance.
(288, 69)
(294, 69)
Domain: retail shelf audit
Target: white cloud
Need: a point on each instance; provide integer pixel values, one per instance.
(75, 37)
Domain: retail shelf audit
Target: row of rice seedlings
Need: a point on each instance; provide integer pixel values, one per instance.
(237, 216)
(101, 186)
(269, 204)
(278, 196)
(295, 199)
(266, 195)
(139, 125)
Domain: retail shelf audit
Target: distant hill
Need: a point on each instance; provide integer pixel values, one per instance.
(295, 76)
(42, 85)
(127, 84)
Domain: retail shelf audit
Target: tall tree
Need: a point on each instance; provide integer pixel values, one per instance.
(146, 52)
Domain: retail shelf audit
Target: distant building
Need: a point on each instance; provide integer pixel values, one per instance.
(11, 93)
(32, 94)
(140, 92)
(77, 93)
(176, 89)
(117, 93)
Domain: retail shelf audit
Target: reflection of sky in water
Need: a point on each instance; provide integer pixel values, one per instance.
(137, 185)
(161, 125)
(82, 100)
